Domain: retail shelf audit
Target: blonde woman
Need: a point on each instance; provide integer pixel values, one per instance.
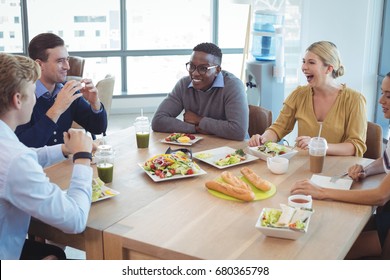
(374, 240)
(341, 110)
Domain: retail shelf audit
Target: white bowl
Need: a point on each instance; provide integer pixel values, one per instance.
(285, 233)
(300, 201)
(277, 165)
(255, 151)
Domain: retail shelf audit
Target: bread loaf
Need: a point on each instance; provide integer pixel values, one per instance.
(256, 180)
(229, 178)
(225, 188)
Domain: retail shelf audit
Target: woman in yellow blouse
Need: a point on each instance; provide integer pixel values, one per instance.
(341, 110)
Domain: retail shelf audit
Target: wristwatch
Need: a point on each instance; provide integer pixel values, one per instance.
(82, 155)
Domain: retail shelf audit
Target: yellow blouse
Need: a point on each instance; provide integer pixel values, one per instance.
(345, 122)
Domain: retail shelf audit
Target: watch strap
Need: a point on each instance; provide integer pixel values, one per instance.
(82, 155)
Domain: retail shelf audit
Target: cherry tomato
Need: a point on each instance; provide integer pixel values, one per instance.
(172, 171)
(190, 172)
(191, 136)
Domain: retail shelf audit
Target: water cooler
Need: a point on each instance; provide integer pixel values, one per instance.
(264, 71)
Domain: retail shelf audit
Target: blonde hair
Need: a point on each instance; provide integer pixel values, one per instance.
(329, 55)
(15, 72)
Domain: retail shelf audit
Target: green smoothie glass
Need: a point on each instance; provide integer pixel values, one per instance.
(104, 158)
(142, 130)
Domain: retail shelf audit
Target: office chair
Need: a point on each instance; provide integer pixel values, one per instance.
(76, 64)
(259, 119)
(374, 141)
(105, 89)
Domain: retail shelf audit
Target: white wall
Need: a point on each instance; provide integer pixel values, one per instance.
(355, 27)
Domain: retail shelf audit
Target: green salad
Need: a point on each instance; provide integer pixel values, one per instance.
(273, 149)
(97, 185)
(271, 218)
(232, 158)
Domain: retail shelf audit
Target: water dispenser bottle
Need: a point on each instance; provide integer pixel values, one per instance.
(263, 41)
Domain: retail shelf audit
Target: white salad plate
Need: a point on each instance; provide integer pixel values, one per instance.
(255, 151)
(213, 155)
(285, 233)
(106, 193)
(190, 143)
(156, 178)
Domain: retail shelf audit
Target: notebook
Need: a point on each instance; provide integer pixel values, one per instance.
(324, 182)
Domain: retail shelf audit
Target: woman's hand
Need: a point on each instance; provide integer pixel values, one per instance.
(306, 187)
(356, 172)
(256, 140)
(302, 142)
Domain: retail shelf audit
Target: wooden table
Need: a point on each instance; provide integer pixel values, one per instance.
(189, 223)
(179, 219)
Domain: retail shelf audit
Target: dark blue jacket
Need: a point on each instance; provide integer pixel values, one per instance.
(41, 130)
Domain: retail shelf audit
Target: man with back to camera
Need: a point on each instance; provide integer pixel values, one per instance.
(59, 103)
(213, 100)
(25, 190)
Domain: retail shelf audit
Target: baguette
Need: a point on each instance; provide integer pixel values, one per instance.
(230, 190)
(229, 178)
(256, 180)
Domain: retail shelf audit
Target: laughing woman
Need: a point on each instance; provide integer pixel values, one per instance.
(341, 110)
(374, 241)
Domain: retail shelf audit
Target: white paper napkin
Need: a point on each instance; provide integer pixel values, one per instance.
(324, 182)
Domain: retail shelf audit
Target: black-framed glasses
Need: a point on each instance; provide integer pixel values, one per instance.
(202, 68)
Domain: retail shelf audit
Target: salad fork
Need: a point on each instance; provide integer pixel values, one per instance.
(334, 179)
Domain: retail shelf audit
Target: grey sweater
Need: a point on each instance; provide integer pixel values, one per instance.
(224, 109)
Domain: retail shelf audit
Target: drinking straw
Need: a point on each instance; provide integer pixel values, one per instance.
(319, 133)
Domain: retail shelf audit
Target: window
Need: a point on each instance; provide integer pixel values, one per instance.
(80, 22)
(148, 57)
(151, 25)
(79, 33)
(11, 27)
(90, 19)
(233, 19)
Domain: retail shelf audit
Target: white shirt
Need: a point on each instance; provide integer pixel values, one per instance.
(25, 191)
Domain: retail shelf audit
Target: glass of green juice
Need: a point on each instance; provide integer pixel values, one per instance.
(104, 158)
(142, 131)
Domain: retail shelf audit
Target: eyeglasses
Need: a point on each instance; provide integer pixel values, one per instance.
(202, 69)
